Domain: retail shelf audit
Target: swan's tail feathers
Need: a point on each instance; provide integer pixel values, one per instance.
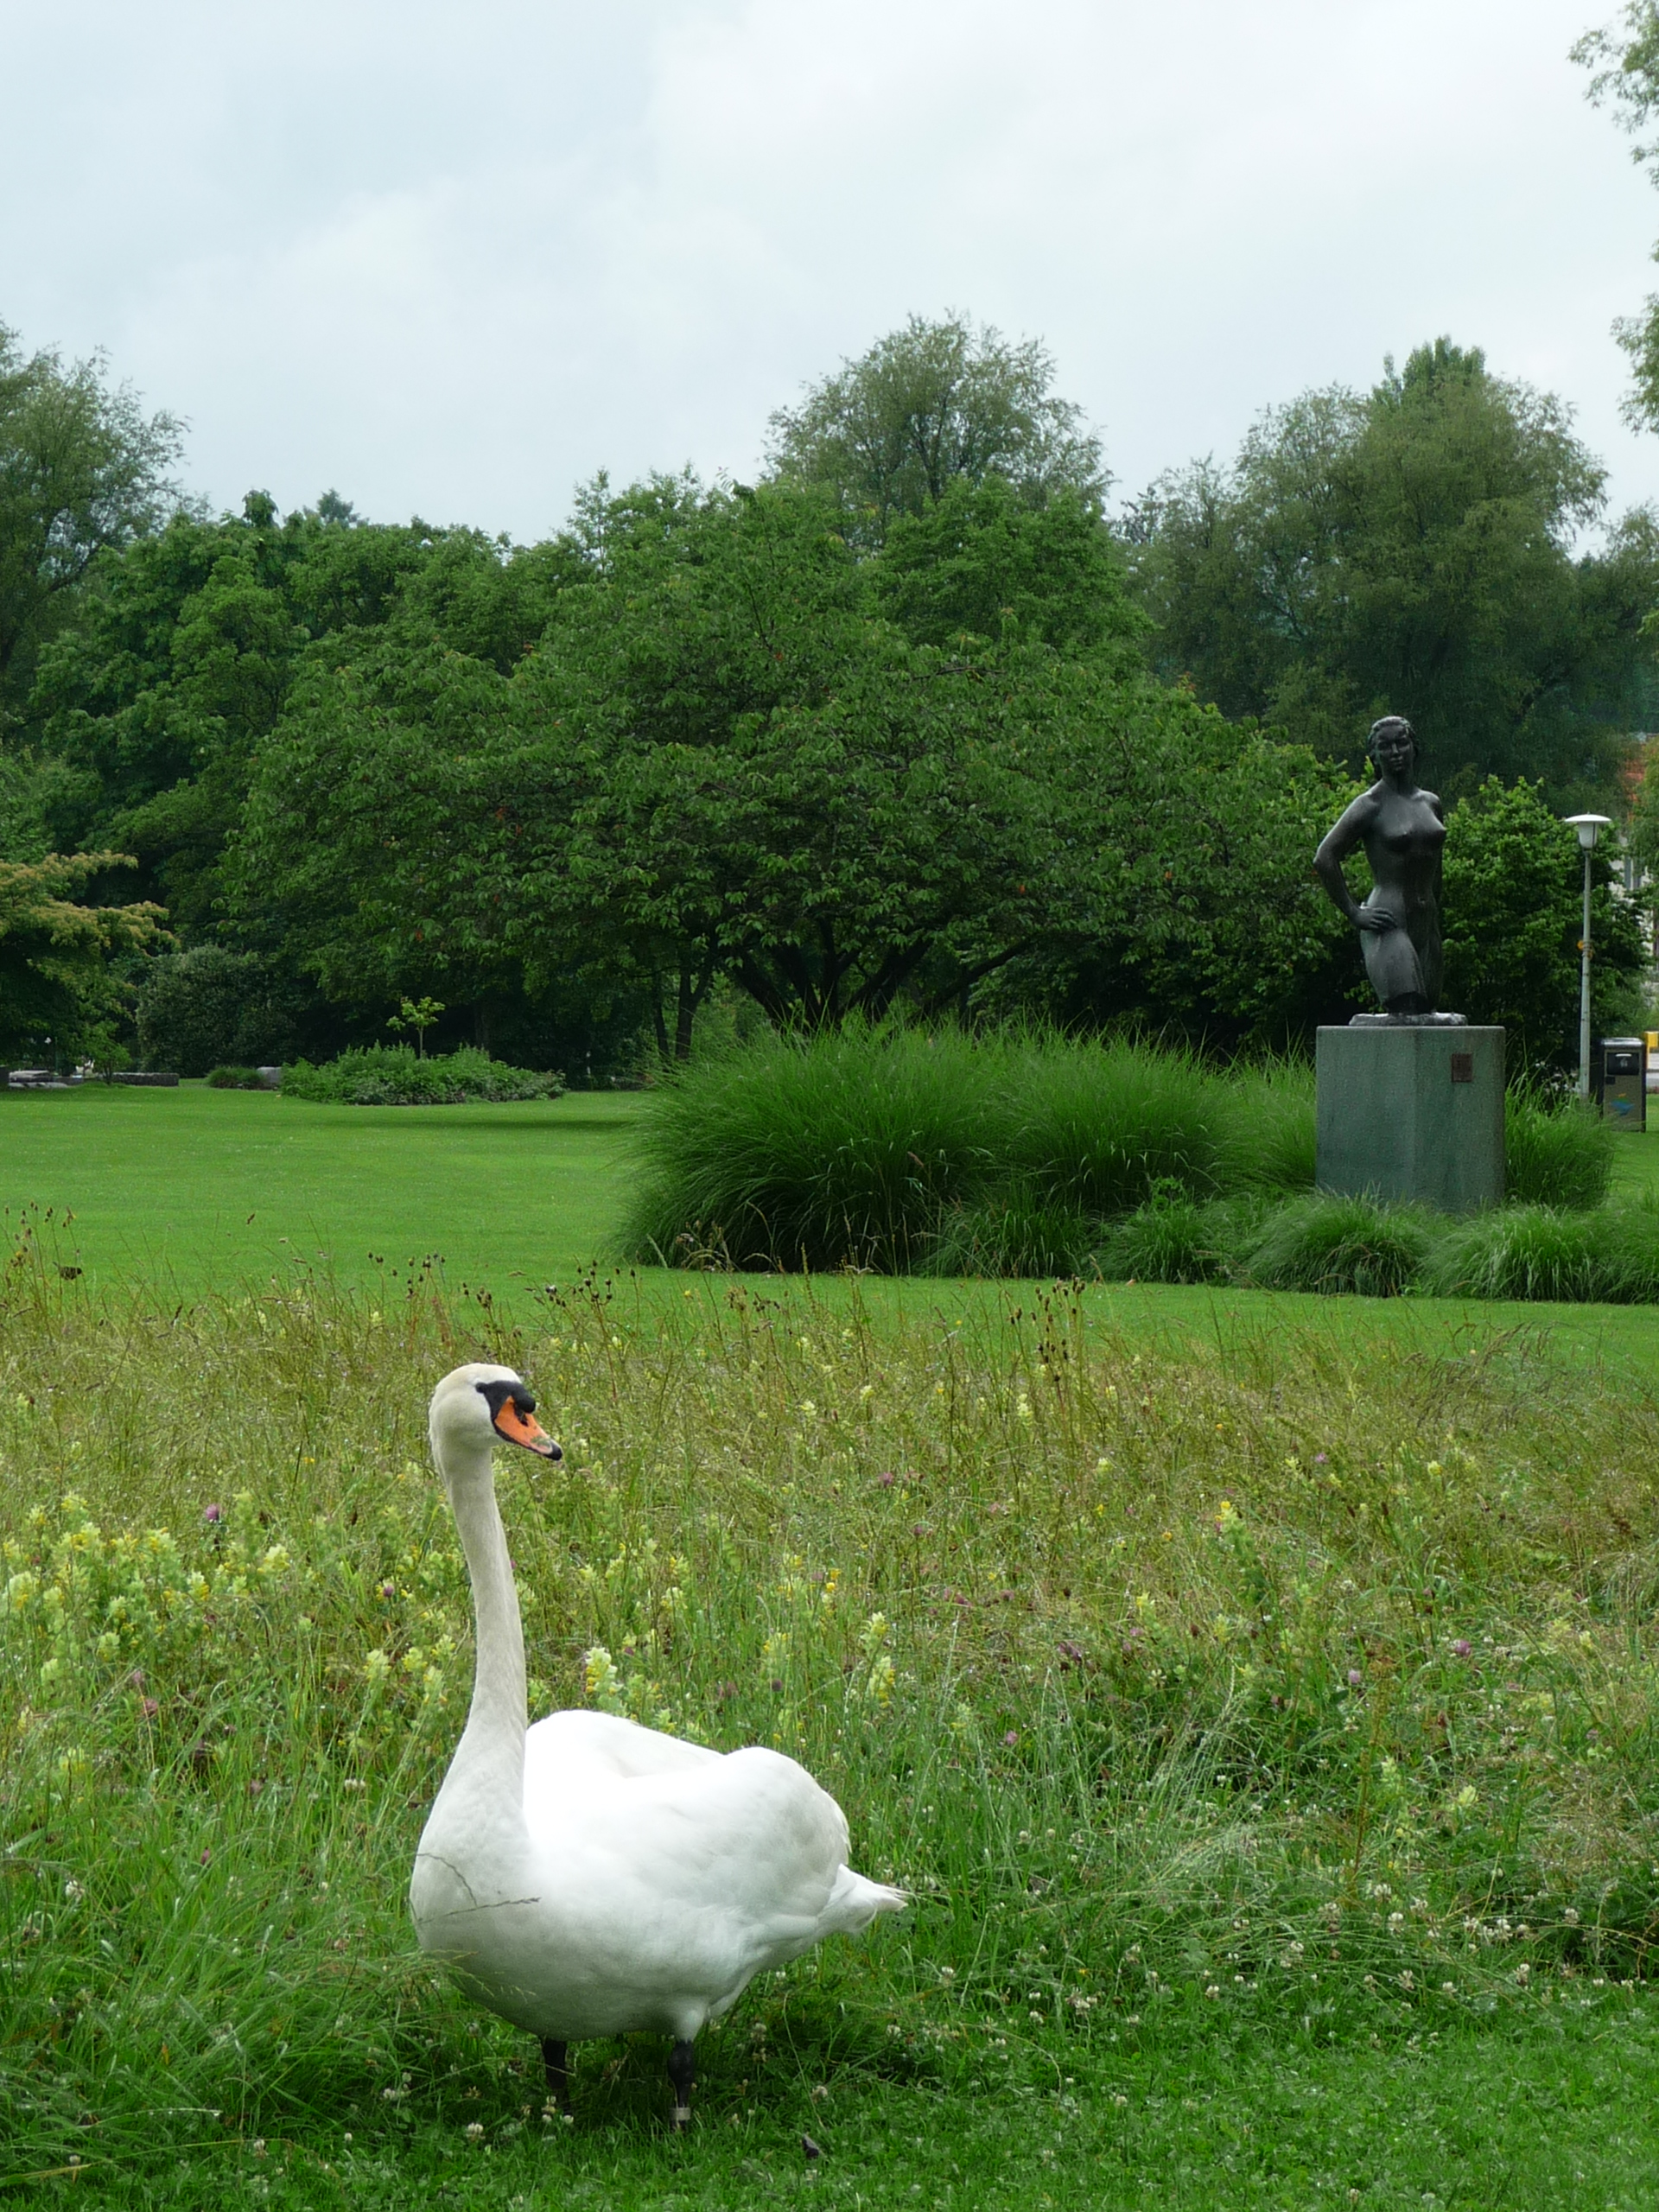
(854, 1902)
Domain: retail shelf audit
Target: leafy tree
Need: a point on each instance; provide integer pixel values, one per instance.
(722, 762)
(1513, 913)
(982, 561)
(150, 709)
(1626, 62)
(57, 983)
(928, 405)
(83, 470)
(1409, 552)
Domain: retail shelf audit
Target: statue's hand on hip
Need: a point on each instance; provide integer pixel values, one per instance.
(1377, 918)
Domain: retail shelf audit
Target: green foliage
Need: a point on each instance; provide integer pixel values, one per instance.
(1018, 1229)
(1625, 60)
(1535, 1252)
(841, 1151)
(1409, 551)
(1170, 1684)
(1556, 1153)
(1340, 1245)
(983, 561)
(1039, 1155)
(58, 979)
(719, 763)
(901, 1151)
(393, 1075)
(229, 1078)
(1174, 1238)
(209, 1005)
(1101, 1126)
(1513, 914)
(82, 471)
(151, 707)
(930, 406)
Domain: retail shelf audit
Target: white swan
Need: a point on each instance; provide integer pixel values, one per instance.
(587, 1877)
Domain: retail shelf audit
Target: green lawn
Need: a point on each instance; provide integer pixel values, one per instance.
(195, 1188)
(192, 1187)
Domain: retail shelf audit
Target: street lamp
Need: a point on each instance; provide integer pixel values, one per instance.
(1589, 827)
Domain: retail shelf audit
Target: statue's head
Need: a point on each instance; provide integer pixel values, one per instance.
(1392, 743)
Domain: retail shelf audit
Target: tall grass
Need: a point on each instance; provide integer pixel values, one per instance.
(1030, 1156)
(898, 1150)
(1556, 1153)
(1258, 1684)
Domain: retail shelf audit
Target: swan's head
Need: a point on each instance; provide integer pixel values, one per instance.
(477, 1407)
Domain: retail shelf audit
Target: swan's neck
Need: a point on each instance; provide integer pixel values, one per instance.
(489, 1763)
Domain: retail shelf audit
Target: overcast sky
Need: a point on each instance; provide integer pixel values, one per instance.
(453, 258)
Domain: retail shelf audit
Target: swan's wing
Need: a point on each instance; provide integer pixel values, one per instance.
(748, 1842)
(571, 1753)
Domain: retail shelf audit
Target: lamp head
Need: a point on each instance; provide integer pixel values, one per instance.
(1589, 827)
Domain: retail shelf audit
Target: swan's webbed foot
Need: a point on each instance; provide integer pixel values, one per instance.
(557, 2059)
(681, 2072)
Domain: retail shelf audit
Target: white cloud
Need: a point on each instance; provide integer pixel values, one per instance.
(456, 262)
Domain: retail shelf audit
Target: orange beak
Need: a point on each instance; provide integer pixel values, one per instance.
(517, 1428)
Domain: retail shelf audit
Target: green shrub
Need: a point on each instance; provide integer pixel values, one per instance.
(1016, 1230)
(1173, 1239)
(391, 1075)
(1554, 1155)
(840, 1149)
(1537, 1252)
(225, 1078)
(1095, 1127)
(210, 1008)
(1339, 1244)
(1267, 1135)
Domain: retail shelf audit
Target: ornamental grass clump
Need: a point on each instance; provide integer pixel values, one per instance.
(1610, 1255)
(1098, 1125)
(840, 1151)
(1556, 1152)
(1340, 1245)
(1187, 1693)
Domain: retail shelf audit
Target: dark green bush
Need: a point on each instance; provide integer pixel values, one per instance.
(846, 1149)
(211, 1007)
(1016, 1230)
(225, 1079)
(1339, 1244)
(392, 1074)
(1556, 1153)
(1537, 1252)
(1095, 1127)
(1173, 1239)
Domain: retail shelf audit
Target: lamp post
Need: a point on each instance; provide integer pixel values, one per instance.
(1589, 827)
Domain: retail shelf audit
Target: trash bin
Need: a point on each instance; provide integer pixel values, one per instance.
(1624, 1082)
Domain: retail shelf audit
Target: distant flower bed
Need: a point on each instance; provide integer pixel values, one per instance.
(391, 1075)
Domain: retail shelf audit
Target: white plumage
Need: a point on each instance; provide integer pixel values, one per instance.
(587, 1876)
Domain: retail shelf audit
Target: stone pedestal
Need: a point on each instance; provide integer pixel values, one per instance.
(1412, 1112)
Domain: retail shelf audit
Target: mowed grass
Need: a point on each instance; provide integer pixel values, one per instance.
(192, 1187)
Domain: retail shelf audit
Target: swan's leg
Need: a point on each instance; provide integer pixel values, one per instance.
(682, 2069)
(555, 2058)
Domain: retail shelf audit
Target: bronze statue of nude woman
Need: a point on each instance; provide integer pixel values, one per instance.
(1402, 829)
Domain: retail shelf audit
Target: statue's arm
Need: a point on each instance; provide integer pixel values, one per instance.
(1334, 849)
